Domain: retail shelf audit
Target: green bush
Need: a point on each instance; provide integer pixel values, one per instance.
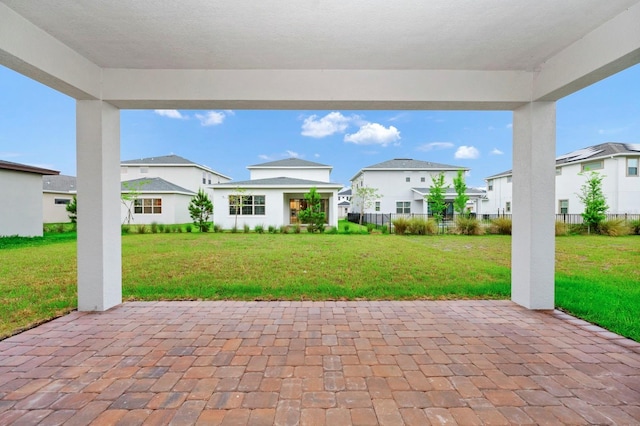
(234, 229)
(417, 226)
(188, 227)
(501, 226)
(468, 226)
(401, 225)
(385, 229)
(217, 228)
(246, 228)
(370, 227)
(167, 229)
(259, 229)
(284, 229)
(125, 229)
(272, 229)
(635, 226)
(297, 228)
(141, 229)
(347, 228)
(161, 227)
(331, 230)
(154, 227)
(614, 227)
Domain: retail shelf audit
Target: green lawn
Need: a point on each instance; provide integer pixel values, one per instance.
(597, 277)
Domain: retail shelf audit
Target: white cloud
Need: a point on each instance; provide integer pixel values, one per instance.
(612, 131)
(496, 151)
(212, 118)
(171, 113)
(316, 155)
(509, 126)
(374, 134)
(467, 153)
(265, 157)
(334, 122)
(434, 146)
(292, 154)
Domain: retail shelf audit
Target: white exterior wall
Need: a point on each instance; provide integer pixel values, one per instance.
(276, 207)
(175, 210)
(392, 185)
(188, 177)
(622, 191)
(52, 212)
(320, 174)
(21, 206)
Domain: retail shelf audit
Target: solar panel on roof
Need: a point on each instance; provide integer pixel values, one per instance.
(633, 146)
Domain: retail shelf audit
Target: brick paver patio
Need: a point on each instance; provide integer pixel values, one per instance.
(315, 363)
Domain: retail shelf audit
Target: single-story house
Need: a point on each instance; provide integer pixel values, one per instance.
(57, 192)
(21, 195)
(148, 200)
(274, 195)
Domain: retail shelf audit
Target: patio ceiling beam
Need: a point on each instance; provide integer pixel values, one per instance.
(29, 50)
(317, 89)
(608, 49)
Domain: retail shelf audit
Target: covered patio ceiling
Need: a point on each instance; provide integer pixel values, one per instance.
(308, 54)
(464, 54)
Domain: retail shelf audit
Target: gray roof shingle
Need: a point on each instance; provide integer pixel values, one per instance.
(277, 181)
(152, 185)
(450, 191)
(164, 159)
(411, 164)
(59, 183)
(290, 162)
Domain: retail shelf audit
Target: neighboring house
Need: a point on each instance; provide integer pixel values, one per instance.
(175, 169)
(617, 162)
(57, 192)
(21, 195)
(403, 184)
(274, 195)
(166, 185)
(344, 202)
(148, 200)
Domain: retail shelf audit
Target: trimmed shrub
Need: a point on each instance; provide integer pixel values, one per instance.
(370, 227)
(614, 228)
(246, 228)
(141, 229)
(125, 229)
(297, 228)
(154, 227)
(217, 228)
(331, 230)
(259, 229)
(161, 228)
(167, 229)
(385, 229)
(418, 226)
(284, 229)
(234, 230)
(401, 225)
(635, 226)
(189, 227)
(468, 226)
(272, 229)
(501, 226)
(347, 228)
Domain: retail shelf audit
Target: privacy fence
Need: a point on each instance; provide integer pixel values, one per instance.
(380, 220)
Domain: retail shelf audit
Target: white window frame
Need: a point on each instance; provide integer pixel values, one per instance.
(405, 207)
(560, 206)
(585, 166)
(252, 205)
(637, 166)
(147, 205)
(507, 206)
(377, 206)
(490, 185)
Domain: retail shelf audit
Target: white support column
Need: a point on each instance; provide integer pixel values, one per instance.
(533, 243)
(99, 242)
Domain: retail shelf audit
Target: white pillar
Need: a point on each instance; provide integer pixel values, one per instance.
(99, 242)
(533, 242)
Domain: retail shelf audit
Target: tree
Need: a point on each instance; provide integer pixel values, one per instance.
(129, 196)
(313, 216)
(200, 210)
(72, 209)
(460, 202)
(595, 203)
(366, 196)
(436, 198)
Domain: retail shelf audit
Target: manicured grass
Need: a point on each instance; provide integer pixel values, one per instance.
(596, 276)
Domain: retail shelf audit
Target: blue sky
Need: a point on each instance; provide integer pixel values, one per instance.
(37, 127)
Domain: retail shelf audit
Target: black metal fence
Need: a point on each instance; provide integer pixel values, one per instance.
(380, 220)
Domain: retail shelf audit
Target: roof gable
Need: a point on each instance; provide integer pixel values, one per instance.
(59, 183)
(290, 162)
(152, 185)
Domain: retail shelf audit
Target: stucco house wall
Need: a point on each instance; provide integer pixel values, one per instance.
(21, 195)
(621, 189)
(54, 207)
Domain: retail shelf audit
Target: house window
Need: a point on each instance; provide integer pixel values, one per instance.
(209, 178)
(124, 170)
(490, 185)
(204, 178)
(558, 171)
(508, 179)
(507, 206)
(377, 206)
(407, 179)
(632, 166)
(247, 205)
(593, 165)
(147, 206)
(422, 179)
(563, 206)
(144, 170)
(61, 201)
(403, 207)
